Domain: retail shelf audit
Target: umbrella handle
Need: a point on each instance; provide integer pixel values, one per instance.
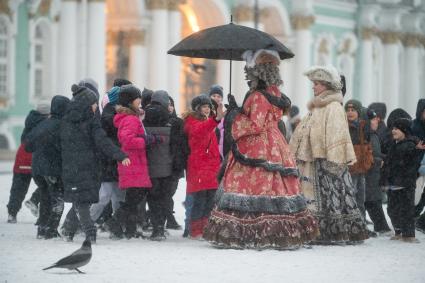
(230, 82)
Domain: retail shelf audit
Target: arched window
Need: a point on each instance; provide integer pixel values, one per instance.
(4, 57)
(41, 62)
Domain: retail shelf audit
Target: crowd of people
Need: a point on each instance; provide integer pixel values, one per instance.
(252, 180)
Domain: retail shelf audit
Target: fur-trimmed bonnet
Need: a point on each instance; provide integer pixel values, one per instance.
(325, 73)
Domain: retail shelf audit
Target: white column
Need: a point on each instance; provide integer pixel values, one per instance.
(96, 43)
(67, 71)
(158, 44)
(138, 59)
(366, 75)
(410, 95)
(303, 43)
(391, 71)
(174, 62)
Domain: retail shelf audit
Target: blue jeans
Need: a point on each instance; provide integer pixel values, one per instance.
(188, 204)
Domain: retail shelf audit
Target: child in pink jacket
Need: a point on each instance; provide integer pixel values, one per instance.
(134, 178)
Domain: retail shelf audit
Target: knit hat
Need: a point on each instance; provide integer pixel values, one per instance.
(127, 94)
(215, 89)
(146, 97)
(43, 108)
(404, 125)
(161, 97)
(113, 95)
(355, 104)
(380, 109)
(121, 82)
(90, 84)
(84, 96)
(395, 115)
(325, 73)
(371, 114)
(200, 100)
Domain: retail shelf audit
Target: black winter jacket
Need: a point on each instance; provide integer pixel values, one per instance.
(31, 121)
(81, 139)
(109, 165)
(44, 141)
(401, 164)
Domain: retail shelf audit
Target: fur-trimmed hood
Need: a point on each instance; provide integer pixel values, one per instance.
(126, 110)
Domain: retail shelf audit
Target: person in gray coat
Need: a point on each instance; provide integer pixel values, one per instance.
(373, 200)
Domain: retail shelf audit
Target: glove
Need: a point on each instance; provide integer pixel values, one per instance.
(232, 102)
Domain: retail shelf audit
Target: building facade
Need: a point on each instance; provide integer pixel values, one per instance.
(47, 45)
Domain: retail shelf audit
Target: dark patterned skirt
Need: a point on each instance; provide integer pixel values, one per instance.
(241, 221)
(334, 205)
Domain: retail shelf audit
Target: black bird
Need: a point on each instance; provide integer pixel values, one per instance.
(75, 260)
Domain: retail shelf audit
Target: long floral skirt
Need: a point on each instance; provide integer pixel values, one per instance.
(330, 196)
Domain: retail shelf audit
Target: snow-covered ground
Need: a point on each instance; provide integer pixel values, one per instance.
(177, 259)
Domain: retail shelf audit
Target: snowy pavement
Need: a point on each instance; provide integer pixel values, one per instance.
(177, 259)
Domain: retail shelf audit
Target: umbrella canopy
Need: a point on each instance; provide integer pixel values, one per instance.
(228, 42)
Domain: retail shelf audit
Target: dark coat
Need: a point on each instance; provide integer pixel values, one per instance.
(109, 165)
(177, 147)
(44, 141)
(23, 158)
(401, 164)
(418, 126)
(373, 189)
(81, 138)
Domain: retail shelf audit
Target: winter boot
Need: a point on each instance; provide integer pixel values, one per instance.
(196, 228)
(41, 232)
(172, 223)
(157, 234)
(185, 233)
(11, 219)
(410, 240)
(117, 223)
(32, 207)
(51, 233)
(131, 226)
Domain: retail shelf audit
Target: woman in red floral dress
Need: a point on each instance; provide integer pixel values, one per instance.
(259, 204)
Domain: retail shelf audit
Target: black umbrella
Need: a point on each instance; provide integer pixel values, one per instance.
(228, 42)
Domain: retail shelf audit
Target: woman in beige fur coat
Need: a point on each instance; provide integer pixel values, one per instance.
(323, 150)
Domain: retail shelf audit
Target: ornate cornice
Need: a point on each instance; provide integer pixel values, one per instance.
(157, 4)
(4, 8)
(44, 7)
(390, 37)
(173, 5)
(243, 13)
(300, 22)
(411, 40)
(136, 37)
(368, 32)
(111, 37)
